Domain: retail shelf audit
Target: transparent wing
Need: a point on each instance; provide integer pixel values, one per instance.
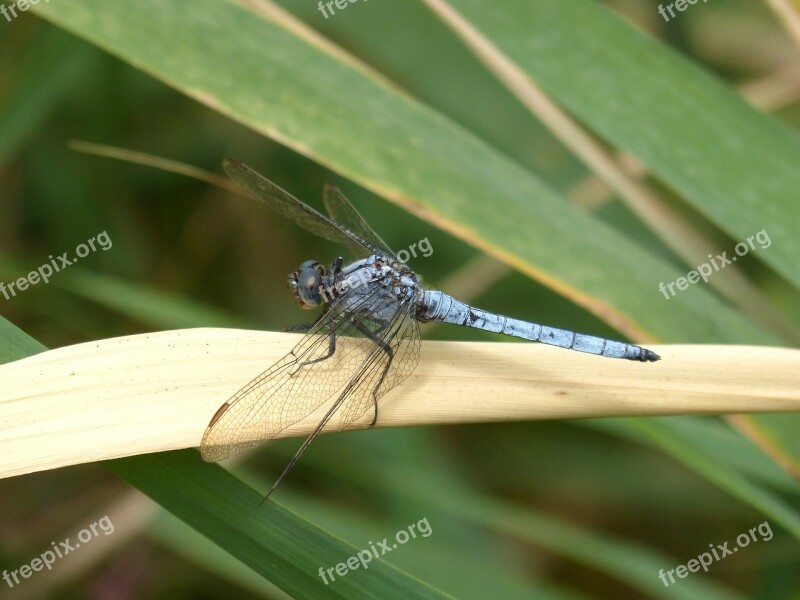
(329, 362)
(343, 212)
(282, 202)
(393, 357)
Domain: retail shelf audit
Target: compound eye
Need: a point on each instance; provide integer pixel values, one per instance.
(308, 283)
(307, 264)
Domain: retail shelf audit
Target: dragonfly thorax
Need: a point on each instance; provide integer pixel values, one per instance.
(312, 285)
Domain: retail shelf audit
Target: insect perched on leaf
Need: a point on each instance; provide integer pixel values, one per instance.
(366, 339)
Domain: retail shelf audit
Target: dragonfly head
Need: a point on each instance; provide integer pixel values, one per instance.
(305, 283)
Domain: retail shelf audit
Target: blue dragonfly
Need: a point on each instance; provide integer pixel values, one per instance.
(366, 339)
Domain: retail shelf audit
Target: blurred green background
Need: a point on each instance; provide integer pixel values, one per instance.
(561, 509)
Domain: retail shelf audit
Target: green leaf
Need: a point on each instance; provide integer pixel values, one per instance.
(729, 161)
(276, 82)
(720, 474)
(134, 300)
(716, 439)
(137, 301)
(41, 83)
(16, 344)
(278, 544)
(724, 457)
(778, 435)
(435, 485)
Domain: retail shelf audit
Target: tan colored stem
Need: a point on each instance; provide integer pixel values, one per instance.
(156, 392)
(789, 15)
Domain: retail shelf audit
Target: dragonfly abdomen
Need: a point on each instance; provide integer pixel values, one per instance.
(438, 306)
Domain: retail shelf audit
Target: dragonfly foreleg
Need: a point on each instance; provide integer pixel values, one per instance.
(331, 350)
(390, 357)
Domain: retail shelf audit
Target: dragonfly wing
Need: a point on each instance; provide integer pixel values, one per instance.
(343, 212)
(296, 385)
(282, 202)
(380, 371)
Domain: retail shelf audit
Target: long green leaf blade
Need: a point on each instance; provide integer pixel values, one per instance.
(275, 81)
(736, 165)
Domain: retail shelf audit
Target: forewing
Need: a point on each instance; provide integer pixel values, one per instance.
(293, 387)
(344, 213)
(282, 202)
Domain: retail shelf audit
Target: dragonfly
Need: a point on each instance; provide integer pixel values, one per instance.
(366, 339)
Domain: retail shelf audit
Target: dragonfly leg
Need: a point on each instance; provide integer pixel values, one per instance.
(389, 353)
(331, 342)
(331, 350)
(304, 326)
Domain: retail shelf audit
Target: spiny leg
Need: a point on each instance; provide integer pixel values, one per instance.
(331, 342)
(304, 327)
(331, 350)
(389, 353)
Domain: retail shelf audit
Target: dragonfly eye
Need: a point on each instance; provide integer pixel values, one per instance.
(305, 284)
